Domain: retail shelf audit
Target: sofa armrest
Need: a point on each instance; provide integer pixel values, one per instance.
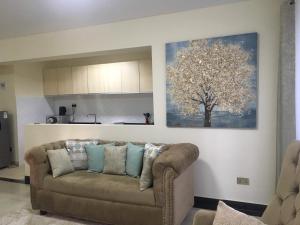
(177, 156)
(204, 217)
(39, 166)
(36, 156)
(171, 163)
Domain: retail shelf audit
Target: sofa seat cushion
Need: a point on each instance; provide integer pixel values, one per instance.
(107, 187)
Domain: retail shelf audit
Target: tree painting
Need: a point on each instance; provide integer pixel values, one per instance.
(212, 82)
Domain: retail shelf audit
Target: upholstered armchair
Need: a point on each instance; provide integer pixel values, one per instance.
(284, 208)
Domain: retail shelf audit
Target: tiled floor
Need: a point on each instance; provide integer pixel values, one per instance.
(14, 197)
(13, 172)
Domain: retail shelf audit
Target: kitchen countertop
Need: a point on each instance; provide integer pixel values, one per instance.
(93, 124)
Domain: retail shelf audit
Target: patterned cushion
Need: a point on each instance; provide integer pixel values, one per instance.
(60, 162)
(78, 154)
(150, 154)
(115, 160)
(229, 216)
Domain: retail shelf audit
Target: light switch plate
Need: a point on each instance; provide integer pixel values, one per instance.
(243, 181)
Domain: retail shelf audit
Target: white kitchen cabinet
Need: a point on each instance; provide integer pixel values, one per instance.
(65, 81)
(95, 78)
(109, 78)
(80, 79)
(145, 68)
(130, 77)
(112, 77)
(50, 82)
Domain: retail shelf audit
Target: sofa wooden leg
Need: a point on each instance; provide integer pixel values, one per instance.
(42, 213)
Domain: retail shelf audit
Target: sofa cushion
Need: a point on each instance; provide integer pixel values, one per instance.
(60, 162)
(134, 160)
(95, 154)
(150, 154)
(78, 154)
(115, 159)
(115, 188)
(229, 216)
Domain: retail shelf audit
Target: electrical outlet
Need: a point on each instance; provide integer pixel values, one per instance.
(243, 181)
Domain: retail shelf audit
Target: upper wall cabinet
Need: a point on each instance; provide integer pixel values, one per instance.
(112, 77)
(50, 82)
(130, 77)
(145, 68)
(65, 81)
(109, 78)
(95, 79)
(80, 79)
(105, 78)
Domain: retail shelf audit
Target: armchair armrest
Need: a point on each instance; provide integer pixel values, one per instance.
(204, 217)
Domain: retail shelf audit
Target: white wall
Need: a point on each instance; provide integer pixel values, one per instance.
(224, 153)
(297, 41)
(31, 105)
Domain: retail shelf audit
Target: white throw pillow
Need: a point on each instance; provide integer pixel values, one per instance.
(60, 162)
(228, 216)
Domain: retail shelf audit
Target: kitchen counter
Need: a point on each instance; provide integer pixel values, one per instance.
(91, 123)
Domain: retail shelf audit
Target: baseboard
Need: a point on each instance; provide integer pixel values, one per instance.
(27, 179)
(12, 180)
(248, 208)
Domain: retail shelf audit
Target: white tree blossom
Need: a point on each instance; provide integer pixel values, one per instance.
(210, 74)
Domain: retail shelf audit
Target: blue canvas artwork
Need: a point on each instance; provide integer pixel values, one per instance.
(212, 82)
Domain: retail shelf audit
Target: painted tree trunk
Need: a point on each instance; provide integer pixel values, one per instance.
(207, 119)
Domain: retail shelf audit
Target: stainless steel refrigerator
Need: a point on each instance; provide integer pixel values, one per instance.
(5, 155)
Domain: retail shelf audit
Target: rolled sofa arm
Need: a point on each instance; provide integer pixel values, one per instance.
(35, 156)
(171, 163)
(38, 161)
(177, 156)
(204, 217)
(39, 165)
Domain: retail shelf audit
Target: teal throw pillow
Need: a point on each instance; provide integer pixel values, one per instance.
(95, 155)
(134, 160)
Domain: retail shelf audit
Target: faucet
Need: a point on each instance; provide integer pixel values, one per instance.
(95, 117)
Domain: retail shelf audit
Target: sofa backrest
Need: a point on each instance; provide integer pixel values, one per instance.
(61, 144)
(285, 206)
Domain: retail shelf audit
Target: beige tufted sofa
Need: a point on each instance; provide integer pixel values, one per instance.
(113, 199)
(284, 208)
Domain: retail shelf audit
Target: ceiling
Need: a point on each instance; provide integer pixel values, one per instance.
(25, 17)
